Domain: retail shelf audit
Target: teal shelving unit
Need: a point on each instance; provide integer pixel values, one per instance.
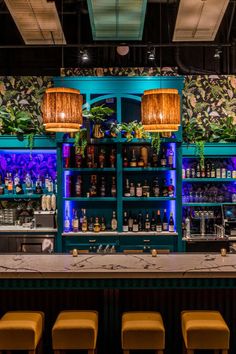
(125, 92)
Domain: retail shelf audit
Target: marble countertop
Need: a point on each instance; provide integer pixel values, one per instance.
(188, 265)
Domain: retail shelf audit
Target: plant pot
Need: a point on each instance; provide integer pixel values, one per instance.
(166, 134)
(97, 131)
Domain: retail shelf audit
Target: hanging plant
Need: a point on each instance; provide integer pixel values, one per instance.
(200, 151)
(156, 142)
(81, 142)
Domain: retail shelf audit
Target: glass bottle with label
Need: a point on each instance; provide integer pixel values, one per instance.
(146, 189)
(171, 189)
(165, 192)
(90, 224)
(114, 221)
(165, 226)
(101, 158)
(132, 189)
(127, 188)
(78, 186)
(171, 223)
(163, 158)
(130, 221)
(103, 187)
(67, 221)
(208, 170)
(112, 158)
(153, 222)
(113, 187)
(125, 159)
(213, 171)
(125, 222)
(133, 161)
(147, 224)
(198, 173)
(139, 190)
(93, 186)
(96, 225)
(140, 221)
(156, 188)
(158, 222)
(75, 221)
(170, 157)
(84, 227)
(135, 225)
(103, 224)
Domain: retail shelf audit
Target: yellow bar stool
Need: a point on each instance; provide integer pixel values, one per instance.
(204, 330)
(21, 330)
(142, 330)
(75, 330)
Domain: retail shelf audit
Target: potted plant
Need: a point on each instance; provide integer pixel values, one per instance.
(98, 115)
(132, 130)
(81, 141)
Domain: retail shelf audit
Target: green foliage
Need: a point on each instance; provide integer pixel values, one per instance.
(81, 142)
(200, 151)
(133, 129)
(98, 114)
(156, 142)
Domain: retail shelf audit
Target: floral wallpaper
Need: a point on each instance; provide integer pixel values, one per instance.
(209, 108)
(209, 102)
(24, 93)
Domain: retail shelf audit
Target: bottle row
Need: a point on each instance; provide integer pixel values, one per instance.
(104, 187)
(14, 184)
(101, 157)
(209, 170)
(146, 189)
(209, 193)
(131, 222)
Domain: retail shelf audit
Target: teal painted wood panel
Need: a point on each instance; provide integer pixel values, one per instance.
(210, 149)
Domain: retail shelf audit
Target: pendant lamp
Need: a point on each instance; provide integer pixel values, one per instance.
(62, 109)
(160, 110)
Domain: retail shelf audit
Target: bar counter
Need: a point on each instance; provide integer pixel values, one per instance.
(110, 266)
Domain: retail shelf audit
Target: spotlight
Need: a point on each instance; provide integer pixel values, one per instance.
(217, 53)
(84, 55)
(151, 54)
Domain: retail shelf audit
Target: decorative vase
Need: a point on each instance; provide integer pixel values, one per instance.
(97, 131)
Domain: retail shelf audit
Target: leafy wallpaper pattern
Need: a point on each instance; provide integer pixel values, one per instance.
(24, 93)
(209, 101)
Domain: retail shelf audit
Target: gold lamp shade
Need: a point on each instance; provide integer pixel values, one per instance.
(62, 109)
(160, 110)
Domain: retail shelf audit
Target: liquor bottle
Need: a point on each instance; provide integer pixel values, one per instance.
(163, 158)
(171, 223)
(165, 192)
(203, 171)
(208, 170)
(188, 173)
(156, 188)
(139, 190)
(140, 221)
(78, 186)
(103, 224)
(78, 158)
(130, 222)
(193, 172)
(146, 189)
(171, 189)
(103, 187)
(198, 173)
(10, 186)
(101, 158)
(133, 161)
(213, 171)
(96, 225)
(18, 188)
(135, 225)
(16, 179)
(113, 158)
(125, 159)
(46, 181)
(132, 189)
(67, 221)
(93, 186)
(188, 226)
(218, 172)
(170, 157)
(147, 224)
(90, 224)
(75, 221)
(113, 187)
(66, 156)
(127, 188)
(153, 222)
(6, 180)
(68, 187)
(154, 159)
(114, 221)
(90, 156)
(165, 225)
(125, 222)
(158, 222)
(38, 188)
(140, 162)
(84, 226)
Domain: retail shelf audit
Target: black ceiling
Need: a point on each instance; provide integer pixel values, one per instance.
(158, 29)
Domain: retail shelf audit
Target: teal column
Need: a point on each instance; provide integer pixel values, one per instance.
(119, 171)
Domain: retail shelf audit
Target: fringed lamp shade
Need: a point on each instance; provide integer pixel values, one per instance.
(62, 110)
(160, 110)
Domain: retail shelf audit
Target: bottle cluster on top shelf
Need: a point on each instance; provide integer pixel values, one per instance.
(144, 157)
(147, 189)
(13, 184)
(95, 157)
(211, 169)
(96, 186)
(139, 222)
(80, 222)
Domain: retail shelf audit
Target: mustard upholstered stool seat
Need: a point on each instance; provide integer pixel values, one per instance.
(21, 330)
(205, 330)
(75, 330)
(142, 330)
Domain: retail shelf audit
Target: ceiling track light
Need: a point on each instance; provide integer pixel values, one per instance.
(84, 55)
